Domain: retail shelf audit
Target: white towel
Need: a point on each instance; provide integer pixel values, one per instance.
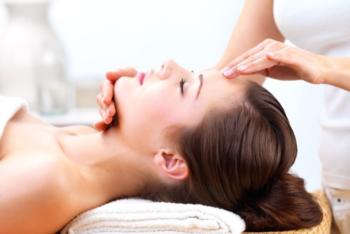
(8, 108)
(144, 216)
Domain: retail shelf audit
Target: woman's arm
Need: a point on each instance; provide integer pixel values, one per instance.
(280, 61)
(255, 24)
(339, 74)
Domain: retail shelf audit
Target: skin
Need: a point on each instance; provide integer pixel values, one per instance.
(48, 175)
(256, 23)
(277, 60)
(255, 50)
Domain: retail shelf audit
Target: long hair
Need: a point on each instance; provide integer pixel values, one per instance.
(239, 160)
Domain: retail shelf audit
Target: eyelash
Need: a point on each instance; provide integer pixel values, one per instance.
(182, 83)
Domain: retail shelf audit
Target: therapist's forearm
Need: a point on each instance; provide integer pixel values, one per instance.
(339, 74)
(255, 24)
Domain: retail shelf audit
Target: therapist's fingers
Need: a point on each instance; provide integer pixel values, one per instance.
(110, 112)
(231, 69)
(112, 76)
(260, 65)
(257, 58)
(288, 63)
(100, 126)
(301, 64)
(115, 75)
(107, 111)
(288, 56)
(248, 55)
(100, 101)
(257, 52)
(107, 91)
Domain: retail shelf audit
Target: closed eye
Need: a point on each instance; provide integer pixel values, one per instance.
(182, 84)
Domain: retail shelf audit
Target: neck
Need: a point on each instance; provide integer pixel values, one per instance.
(111, 167)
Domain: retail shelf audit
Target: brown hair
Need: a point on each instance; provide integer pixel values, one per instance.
(239, 160)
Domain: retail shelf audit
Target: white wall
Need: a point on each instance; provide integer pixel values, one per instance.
(102, 35)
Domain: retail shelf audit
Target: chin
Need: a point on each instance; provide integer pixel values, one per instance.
(121, 98)
(125, 90)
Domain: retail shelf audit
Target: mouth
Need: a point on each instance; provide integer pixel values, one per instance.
(141, 77)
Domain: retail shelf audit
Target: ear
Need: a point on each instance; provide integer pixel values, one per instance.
(171, 164)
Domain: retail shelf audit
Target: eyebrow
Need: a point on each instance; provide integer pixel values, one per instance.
(200, 85)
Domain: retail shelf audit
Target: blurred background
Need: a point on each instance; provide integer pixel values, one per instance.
(90, 37)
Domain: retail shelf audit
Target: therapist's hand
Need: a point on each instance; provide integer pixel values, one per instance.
(107, 108)
(280, 61)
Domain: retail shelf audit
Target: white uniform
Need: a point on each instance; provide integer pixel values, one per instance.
(323, 27)
(8, 108)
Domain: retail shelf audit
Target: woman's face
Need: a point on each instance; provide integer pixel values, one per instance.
(171, 96)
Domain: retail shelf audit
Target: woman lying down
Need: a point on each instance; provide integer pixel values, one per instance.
(181, 137)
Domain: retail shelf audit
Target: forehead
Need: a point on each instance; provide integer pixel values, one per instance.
(217, 86)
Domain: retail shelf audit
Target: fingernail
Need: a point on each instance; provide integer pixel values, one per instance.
(228, 71)
(104, 99)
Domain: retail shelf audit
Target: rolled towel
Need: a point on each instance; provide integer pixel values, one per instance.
(143, 216)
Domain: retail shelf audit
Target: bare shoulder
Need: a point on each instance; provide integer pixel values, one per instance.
(35, 195)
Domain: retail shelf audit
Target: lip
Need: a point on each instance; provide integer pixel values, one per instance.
(141, 77)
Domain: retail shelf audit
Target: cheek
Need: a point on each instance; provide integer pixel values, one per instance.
(158, 105)
(144, 111)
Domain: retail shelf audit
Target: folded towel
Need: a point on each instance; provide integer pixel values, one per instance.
(144, 216)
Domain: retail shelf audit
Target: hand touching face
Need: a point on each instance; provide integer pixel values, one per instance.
(107, 108)
(170, 96)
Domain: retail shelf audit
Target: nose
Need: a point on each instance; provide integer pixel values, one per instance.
(170, 68)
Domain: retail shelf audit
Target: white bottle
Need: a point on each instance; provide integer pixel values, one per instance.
(32, 59)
